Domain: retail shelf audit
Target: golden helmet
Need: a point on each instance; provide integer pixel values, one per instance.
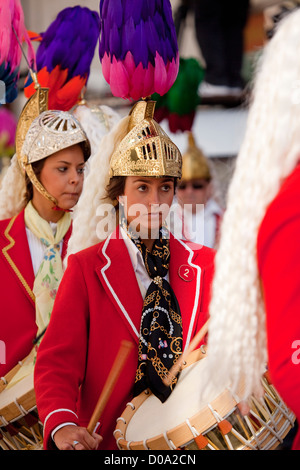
(194, 163)
(146, 150)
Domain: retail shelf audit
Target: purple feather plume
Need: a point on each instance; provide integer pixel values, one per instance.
(70, 41)
(138, 47)
(65, 54)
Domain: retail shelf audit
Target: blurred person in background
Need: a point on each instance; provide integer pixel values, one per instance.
(199, 213)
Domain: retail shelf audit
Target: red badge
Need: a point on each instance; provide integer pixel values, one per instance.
(186, 272)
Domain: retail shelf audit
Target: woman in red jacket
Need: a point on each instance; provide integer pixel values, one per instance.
(256, 293)
(113, 290)
(38, 192)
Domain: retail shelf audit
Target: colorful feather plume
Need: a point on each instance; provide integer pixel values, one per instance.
(64, 56)
(179, 105)
(12, 32)
(138, 47)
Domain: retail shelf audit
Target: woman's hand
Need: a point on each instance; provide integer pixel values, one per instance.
(76, 438)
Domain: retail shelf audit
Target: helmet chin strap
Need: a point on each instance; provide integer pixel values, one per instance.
(56, 208)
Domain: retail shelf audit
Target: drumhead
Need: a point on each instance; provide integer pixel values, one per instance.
(192, 393)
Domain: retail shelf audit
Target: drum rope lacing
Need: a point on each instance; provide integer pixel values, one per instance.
(145, 445)
(259, 419)
(195, 433)
(122, 436)
(271, 418)
(128, 445)
(4, 380)
(255, 437)
(119, 430)
(219, 419)
(24, 413)
(263, 423)
(279, 406)
(22, 435)
(9, 444)
(131, 405)
(169, 441)
(15, 442)
(283, 408)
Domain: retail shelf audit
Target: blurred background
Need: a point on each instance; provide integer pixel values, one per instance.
(218, 127)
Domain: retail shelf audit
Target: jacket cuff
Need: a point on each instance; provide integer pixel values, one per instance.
(54, 420)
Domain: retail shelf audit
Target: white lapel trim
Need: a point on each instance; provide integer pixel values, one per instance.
(197, 296)
(122, 308)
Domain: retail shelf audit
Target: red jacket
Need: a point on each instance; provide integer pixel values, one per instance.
(17, 310)
(278, 249)
(98, 305)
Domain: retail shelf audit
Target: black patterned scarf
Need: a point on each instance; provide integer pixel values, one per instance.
(160, 342)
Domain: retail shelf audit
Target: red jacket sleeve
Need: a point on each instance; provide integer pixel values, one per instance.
(279, 260)
(61, 357)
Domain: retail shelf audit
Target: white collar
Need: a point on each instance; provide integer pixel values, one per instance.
(138, 264)
(134, 253)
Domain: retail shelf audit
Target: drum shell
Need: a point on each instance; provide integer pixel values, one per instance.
(20, 428)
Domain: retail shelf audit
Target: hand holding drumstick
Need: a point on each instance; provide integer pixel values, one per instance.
(76, 438)
(79, 438)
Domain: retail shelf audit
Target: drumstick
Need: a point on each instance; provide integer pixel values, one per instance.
(177, 366)
(115, 371)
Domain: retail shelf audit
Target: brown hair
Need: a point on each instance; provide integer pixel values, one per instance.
(116, 187)
(37, 168)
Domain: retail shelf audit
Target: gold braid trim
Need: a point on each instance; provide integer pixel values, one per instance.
(10, 261)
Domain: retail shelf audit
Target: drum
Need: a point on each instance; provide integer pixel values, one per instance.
(197, 416)
(20, 428)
